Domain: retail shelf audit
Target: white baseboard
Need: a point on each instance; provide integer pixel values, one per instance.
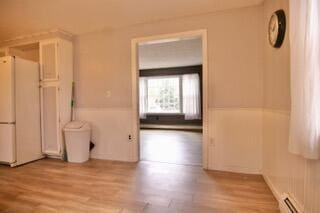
(171, 127)
(238, 169)
(273, 189)
(280, 196)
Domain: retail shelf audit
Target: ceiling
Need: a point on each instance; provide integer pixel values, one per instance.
(21, 17)
(185, 52)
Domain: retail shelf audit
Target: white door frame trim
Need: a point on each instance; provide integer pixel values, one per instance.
(134, 147)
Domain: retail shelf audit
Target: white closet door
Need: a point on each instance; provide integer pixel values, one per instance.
(50, 124)
(48, 61)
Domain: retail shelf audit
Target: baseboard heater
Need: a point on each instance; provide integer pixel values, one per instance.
(287, 205)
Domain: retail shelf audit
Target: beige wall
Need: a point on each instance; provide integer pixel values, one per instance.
(277, 64)
(102, 59)
(235, 53)
(285, 172)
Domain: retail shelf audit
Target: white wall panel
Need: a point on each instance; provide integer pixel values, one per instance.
(110, 129)
(236, 133)
(285, 172)
(235, 139)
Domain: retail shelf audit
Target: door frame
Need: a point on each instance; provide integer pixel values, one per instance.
(135, 140)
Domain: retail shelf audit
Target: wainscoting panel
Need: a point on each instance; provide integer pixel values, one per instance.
(235, 136)
(110, 130)
(235, 139)
(285, 172)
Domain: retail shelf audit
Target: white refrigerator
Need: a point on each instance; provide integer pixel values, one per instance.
(20, 139)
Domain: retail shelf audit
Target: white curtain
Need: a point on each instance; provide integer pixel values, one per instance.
(191, 96)
(305, 78)
(143, 97)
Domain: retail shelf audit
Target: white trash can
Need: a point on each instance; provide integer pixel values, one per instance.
(77, 137)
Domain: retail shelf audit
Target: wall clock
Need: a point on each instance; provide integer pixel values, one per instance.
(277, 28)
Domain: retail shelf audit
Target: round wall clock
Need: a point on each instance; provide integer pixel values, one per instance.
(277, 28)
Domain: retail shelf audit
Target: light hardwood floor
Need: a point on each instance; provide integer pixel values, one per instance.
(171, 146)
(104, 186)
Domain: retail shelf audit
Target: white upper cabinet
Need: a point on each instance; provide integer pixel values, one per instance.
(49, 60)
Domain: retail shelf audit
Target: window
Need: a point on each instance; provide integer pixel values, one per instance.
(164, 95)
(170, 94)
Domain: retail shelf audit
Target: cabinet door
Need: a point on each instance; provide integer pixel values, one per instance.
(48, 61)
(50, 122)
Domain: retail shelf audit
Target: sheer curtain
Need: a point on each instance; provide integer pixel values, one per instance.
(191, 96)
(305, 78)
(143, 97)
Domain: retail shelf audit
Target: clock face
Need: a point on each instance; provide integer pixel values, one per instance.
(277, 28)
(273, 29)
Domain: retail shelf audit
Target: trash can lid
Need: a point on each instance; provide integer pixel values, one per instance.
(77, 126)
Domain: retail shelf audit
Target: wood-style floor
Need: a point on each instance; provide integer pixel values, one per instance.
(103, 186)
(171, 146)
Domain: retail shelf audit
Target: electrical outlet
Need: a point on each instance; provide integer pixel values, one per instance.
(129, 137)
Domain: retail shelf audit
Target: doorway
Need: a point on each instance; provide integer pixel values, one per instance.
(170, 98)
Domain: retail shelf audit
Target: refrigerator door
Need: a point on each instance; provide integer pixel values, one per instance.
(27, 99)
(7, 110)
(7, 143)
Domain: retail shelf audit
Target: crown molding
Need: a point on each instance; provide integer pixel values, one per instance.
(36, 36)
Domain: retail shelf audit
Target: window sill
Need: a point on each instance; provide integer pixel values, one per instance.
(165, 114)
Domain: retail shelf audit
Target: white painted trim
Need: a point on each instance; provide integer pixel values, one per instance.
(277, 111)
(238, 169)
(103, 157)
(273, 189)
(41, 119)
(134, 68)
(103, 109)
(236, 108)
(279, 197)
(37, 35)
(205, 108)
